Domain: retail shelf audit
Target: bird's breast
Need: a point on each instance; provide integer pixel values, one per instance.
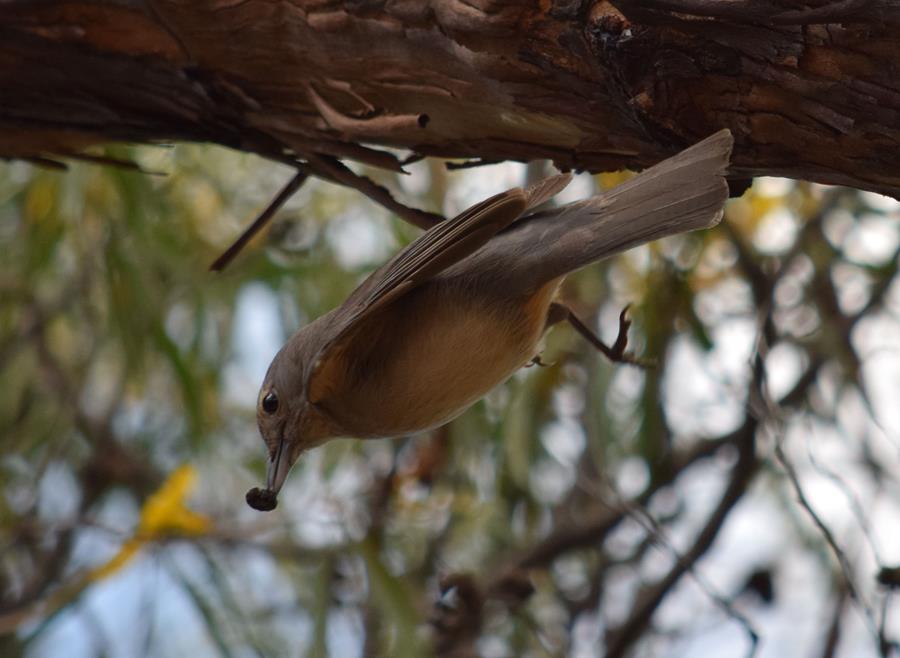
(426, 358)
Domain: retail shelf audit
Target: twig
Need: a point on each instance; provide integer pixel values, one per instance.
(114, 162)
(852, 500)
(469, 164)
(768, 414)
(47, 163)
(840, 556)
(837, 551)
(834, 628)
(658, 535)
(379, 126)
(335, 171)
(620, 639)
(281, 198)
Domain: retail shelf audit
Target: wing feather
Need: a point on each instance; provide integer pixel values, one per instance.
(434, 251)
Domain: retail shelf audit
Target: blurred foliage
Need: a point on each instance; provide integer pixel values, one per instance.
(555, 518)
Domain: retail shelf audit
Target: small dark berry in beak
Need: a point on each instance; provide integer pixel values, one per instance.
(264, 500)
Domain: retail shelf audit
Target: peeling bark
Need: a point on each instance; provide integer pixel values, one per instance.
(810, 89)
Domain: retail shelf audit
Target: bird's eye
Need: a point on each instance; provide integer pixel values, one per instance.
(270, 403)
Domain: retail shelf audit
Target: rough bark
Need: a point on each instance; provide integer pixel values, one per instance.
(809, 88)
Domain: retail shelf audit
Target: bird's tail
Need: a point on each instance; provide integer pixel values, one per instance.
(684, 193)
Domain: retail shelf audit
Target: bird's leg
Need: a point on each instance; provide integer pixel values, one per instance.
(617, 354)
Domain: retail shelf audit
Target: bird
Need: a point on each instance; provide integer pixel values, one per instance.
(465, 305)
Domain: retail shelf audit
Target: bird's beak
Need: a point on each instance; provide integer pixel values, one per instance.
(279, 467)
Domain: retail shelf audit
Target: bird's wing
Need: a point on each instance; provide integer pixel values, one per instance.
(432, 252)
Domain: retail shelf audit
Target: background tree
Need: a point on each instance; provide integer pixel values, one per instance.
(582, 509)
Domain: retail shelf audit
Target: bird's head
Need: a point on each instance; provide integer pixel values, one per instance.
(288, 423)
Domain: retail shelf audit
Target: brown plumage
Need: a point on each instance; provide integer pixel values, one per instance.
(465, 305)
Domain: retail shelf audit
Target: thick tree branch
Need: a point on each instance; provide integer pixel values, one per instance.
(588, 84)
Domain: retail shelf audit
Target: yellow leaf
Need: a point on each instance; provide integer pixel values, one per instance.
(611, 179)
(165, 511)
(164, 514)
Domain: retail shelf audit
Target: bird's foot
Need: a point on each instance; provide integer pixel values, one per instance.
(618, 352)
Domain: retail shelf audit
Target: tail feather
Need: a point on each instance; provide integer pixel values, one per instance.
(546, 189)
(684, 193)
